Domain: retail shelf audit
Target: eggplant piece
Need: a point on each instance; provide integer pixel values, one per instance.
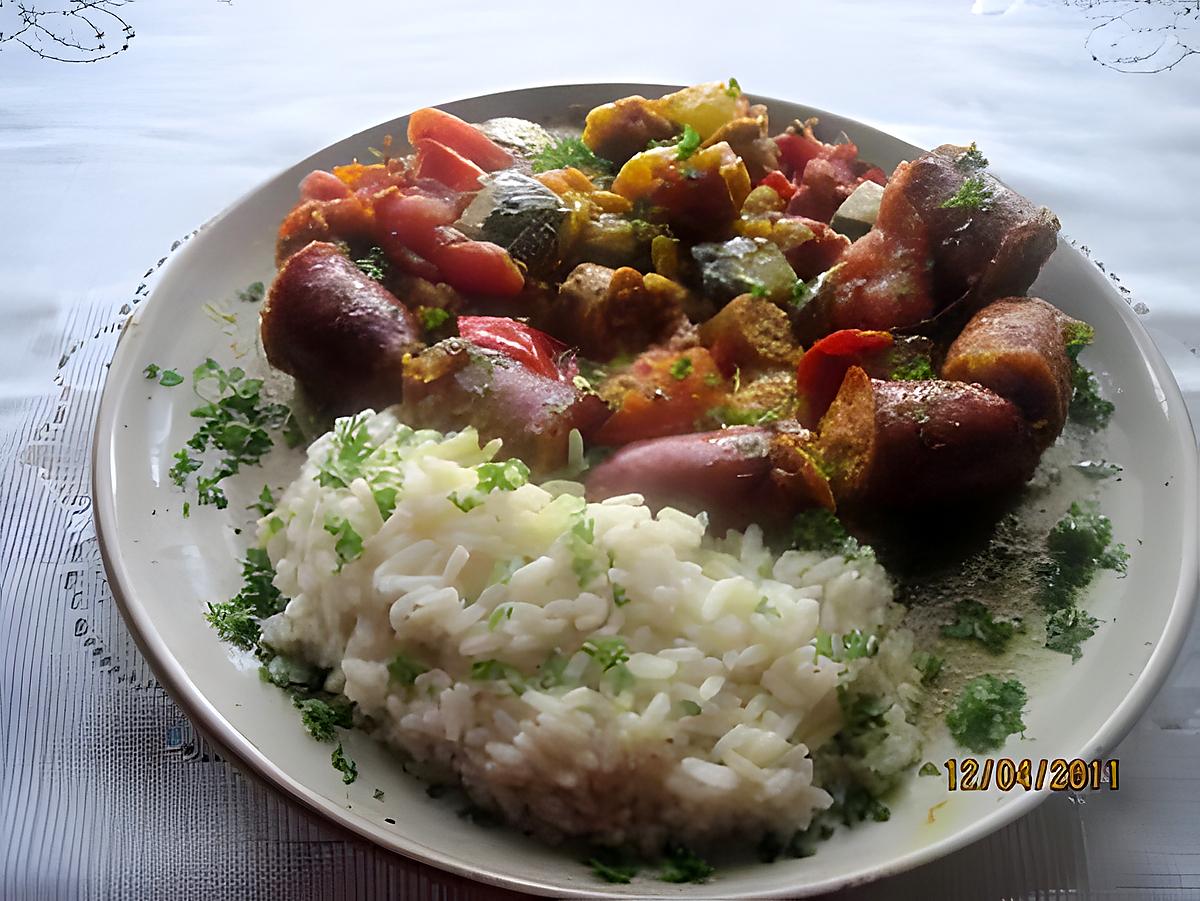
(520, 214)
(340, 333)
(729, 474)
(520, 137)
(1015, 347)
(455, 384)
(605, 312)
(738, 265)
(922, 443)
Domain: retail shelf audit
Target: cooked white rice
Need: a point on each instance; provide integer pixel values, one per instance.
(706, 731)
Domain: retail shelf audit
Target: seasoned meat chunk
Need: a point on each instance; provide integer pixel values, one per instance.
(922, 443)
(1015, 347)
(455, 384)
(751, 334)
(341, 334)
(605, 311)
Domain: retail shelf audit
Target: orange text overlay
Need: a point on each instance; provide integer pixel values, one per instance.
(1006, 774)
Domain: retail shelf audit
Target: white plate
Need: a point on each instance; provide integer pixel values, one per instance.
(163, 568)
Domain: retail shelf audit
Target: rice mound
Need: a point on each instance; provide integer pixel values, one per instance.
(517, 606)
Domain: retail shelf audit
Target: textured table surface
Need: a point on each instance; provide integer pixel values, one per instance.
(1092, 108)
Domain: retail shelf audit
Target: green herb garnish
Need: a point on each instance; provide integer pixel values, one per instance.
(620, 595)
(265, 505)
(252, 293)
(973, 195)
(571, 152)
(802, 293)
(1087, 407)
(374, 265)
(929, 768)
(495, 671)
(151, 371)
(819, 530)
(929, 665)
(612, 866)
(236, 620)
(348, 545)
(321, 718)
(344, 765)
(608, 651)
(433, 318)
(915, 369)
(987, 712)
(680, 864)
(971, 159)
(688, 143)
(1067, 628)
(733, 89)
(1078, 545)
(974, 621)
(404, 670)
(681, 368)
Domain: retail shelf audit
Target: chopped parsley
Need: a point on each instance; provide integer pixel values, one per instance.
(236, 620)
(859, 804)
(620, 595)
(1077, 336)
(235, 420)
(404, 670)
(503, 612)
(851, 646)
(802, 293)
(987, 712)
(819, 530)
(351, 448)
(344, 765)
(689, 708)
(733, 89)
(681, 368)
(765, 608)
(609, 651)
(1078, 545)
(1067, 628)
(1087, 407)
(971, 159)
(348, 545)
(611, 866)
(265, 505)
(571, 152)
(385, 499)
(507, 476)
(973, 195)
(727, 415)
(374, 265)
(929, 768)
(252, 293)
(433, 318)
(321, 718)
(680, 864)
(495, 671)
(688, 143)
(929, 665)
(580, 541)
(973, 621)
(758, 290)
(915, 369)
(168, 378)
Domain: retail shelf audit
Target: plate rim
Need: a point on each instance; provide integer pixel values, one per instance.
(240, 751)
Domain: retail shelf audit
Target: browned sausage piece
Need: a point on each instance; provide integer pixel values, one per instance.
(455, 384)
(922, 443)
(981, 251)
(1015, 347)
(730, 474)
(341, 334)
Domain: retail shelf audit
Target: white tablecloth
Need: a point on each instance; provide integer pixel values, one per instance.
(104, 789)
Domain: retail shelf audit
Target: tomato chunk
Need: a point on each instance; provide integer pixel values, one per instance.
(820, 371)
(461, 137)
(533, 349)
(437, 161)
